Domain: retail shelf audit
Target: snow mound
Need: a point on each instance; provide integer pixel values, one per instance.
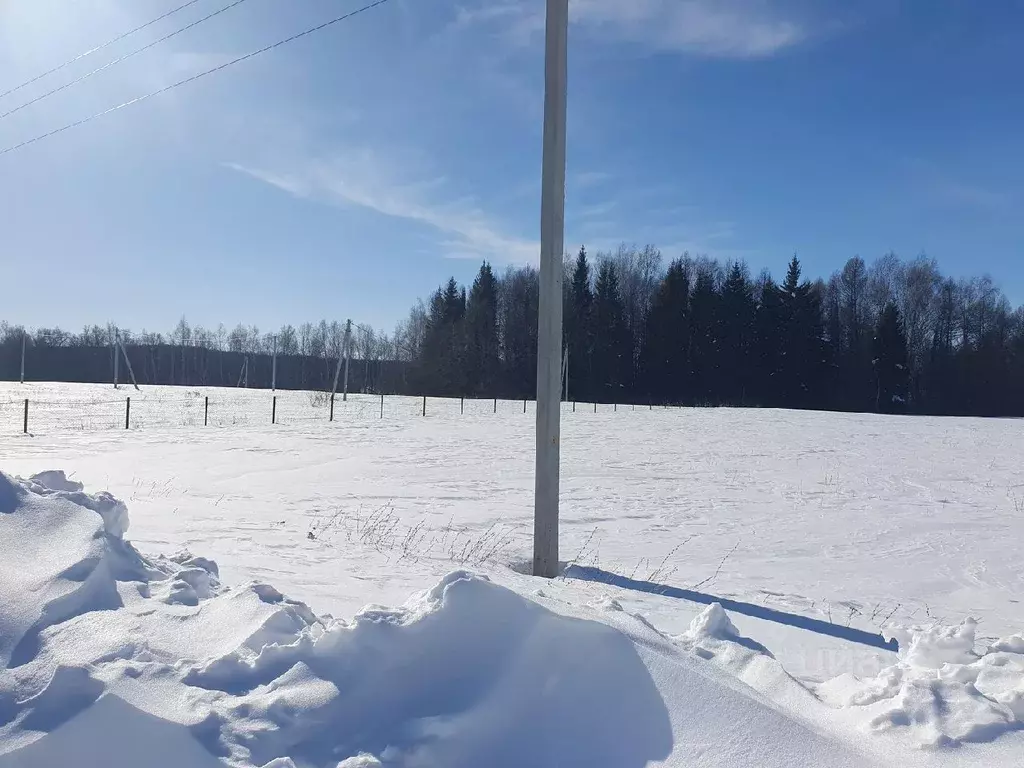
(61, 555)
(713, 623)
(56, 480)
(712, 634)
(941, 690)
(466, 674)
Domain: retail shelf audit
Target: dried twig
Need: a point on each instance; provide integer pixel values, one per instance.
(714, 576)
(657, 572)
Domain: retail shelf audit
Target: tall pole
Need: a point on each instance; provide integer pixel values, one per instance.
(24, 340)
(552, 246)
(273, 372)
(348, 356)
(117, 359)
(565, 375)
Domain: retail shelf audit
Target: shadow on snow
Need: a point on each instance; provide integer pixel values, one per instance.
(859, 636)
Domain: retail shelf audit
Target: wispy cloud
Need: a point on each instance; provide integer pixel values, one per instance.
(717, 28)
(946, 188)
(363, 179)
(587, 179)
(597, 210)
(726, 28)
(969, 195)
(697, 232)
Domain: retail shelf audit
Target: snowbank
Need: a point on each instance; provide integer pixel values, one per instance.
(942, 690)
(111, 658)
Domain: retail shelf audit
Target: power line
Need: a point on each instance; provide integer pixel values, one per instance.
(91, 51)
(193, 78)
(118, 60)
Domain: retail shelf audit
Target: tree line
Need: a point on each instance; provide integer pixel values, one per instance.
(895, 336)
(307, 356)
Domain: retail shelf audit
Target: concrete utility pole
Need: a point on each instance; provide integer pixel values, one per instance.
(565, 375)
(552, 245)
(273, 374)
(127, 362)
(113, 349)
(348, 356)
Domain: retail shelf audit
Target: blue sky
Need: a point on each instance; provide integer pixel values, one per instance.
(350, 173)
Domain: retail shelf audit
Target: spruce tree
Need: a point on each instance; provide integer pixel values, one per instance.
(482, 360)
(579, 329)
(768, 356)
(612, 343)
(441, 370)
(736, 336)
(804, 361)
(704, 342)
(665, 360)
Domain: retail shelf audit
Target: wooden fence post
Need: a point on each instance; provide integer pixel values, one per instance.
(332, 406)
(382, 405)
(206, 412)
(127, 412)
(424, 406)
(26, 415)
(463, 406)
(273, 411)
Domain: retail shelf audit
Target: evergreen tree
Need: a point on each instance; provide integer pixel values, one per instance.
(482, 359)
(890, 362)
(612, 355)
(704, 341)
(804, 361)
(519, 298)
(665, 359)
(736, 336)
(768, 357)
(579, 329)
(441, 370)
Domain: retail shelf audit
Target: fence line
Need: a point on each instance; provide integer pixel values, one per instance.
(50, 413)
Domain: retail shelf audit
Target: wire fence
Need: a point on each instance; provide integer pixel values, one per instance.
(50, 412)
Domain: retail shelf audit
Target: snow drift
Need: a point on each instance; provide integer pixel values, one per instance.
(110, 658)
(942, 690)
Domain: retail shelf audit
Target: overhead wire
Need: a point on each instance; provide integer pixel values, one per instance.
(118, 60)
(98, 48)
(195, 77)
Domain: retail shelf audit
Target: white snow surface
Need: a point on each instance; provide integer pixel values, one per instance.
(112, 657)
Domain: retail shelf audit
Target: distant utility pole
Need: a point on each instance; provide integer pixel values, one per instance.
(113, 351)
(565, 375)
(552, 246)
(273, 374)
(127, 362)
(24, 341)
(348, 356)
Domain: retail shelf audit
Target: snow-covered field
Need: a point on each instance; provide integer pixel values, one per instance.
(815, 531)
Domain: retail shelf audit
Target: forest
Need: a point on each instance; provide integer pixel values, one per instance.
(894, 336)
